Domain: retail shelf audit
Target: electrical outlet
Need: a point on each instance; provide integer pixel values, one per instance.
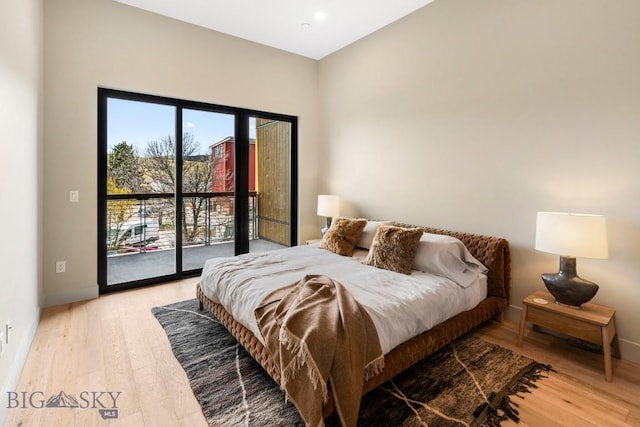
(61, 266)
(74, 196)
(8, 327)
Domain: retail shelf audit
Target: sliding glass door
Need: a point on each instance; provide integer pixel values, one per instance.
(181, 182)
(140, 191)
(208, 208)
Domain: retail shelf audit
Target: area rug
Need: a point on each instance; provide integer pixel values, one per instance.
(467, 383)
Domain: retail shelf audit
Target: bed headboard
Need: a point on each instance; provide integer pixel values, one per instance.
(491, 251)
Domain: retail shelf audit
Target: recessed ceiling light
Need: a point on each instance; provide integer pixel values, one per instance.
(305, 25)
(320, 15)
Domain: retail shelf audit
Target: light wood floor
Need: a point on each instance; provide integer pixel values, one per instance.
(114, 344)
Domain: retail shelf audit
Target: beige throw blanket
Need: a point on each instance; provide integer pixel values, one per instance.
(317, 334)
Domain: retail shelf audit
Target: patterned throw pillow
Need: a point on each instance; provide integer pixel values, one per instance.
(393, 248)
(343, 235)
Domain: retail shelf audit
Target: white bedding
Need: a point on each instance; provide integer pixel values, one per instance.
(401, 306)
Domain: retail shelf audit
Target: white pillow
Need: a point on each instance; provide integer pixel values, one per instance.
(369, 232)
(448, 257)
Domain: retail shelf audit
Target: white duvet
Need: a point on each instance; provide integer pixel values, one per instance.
(401, 306)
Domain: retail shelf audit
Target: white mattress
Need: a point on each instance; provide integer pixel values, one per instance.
(401, 306)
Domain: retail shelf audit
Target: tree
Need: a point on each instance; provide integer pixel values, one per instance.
(123, 166)
(196, 176)
(119, 211)
(124, 176)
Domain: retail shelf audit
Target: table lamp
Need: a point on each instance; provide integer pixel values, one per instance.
(571, 236)
(329, 206)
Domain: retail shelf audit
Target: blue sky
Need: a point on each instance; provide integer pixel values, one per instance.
(140, 122)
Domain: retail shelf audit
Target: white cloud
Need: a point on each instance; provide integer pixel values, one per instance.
(191, 125)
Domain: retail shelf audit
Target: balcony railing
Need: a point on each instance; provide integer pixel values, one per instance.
(143, 222)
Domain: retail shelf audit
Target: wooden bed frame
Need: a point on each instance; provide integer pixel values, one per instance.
(493, 252)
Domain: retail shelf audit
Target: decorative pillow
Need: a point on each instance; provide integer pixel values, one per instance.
(343, 235)
(448, 257)
(393, 248)
(369, 233)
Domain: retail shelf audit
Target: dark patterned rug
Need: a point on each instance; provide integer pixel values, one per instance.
(467, 383)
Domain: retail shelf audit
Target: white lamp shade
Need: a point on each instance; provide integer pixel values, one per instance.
(572, 235)
(328, 205)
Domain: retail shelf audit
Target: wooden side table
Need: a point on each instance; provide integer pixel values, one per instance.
(591, 322)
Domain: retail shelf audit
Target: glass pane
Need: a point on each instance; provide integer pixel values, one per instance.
(270, 184)
(140, 165)
(141, 147)
(208, 171)
(140, 239)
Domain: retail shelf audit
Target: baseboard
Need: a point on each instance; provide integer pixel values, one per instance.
(629, 350)
(72, 295)
(10, 383)
(512, 313)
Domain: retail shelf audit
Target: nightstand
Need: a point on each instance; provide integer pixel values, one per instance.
(591, 322)
(312, 241)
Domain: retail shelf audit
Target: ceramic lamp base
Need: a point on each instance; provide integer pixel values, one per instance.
(324, 229)
(567, 287)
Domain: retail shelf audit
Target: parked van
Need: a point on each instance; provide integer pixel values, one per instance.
(133, 233)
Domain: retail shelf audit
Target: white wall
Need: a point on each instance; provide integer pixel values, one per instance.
(474, 115)
(20, 182)
(91, 43)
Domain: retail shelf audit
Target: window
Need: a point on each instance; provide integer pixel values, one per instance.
(178, 184)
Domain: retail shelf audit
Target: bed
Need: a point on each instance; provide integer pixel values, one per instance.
(492, 252)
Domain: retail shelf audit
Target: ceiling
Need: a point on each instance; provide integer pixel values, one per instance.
(311, 28)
